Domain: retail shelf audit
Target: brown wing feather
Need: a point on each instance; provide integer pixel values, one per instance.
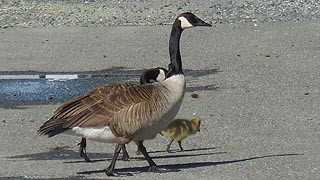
(97, 108)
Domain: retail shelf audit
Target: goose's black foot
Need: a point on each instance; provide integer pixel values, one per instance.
(115, 174)
(83, 154)
(111, 173)
(156, 169)
(82, 150)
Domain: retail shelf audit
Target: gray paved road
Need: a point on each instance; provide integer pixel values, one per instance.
(258, 87)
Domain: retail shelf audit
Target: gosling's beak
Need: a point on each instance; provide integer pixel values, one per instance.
(199, 130)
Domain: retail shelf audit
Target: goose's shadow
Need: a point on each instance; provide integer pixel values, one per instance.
(61, 153)
(173, 154)
(66, 153)
(180, 166)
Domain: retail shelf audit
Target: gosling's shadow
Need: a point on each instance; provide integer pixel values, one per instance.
(186, 150)
(171, 155)
(179, 167)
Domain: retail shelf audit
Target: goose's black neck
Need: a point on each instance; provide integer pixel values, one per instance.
(175, 66)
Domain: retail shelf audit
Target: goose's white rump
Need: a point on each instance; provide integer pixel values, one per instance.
(100, 134)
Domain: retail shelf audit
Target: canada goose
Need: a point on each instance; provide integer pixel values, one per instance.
(148, 76)
(179, 129)
(120, 112)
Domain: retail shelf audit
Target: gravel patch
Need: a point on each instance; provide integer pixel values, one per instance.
(96, 13)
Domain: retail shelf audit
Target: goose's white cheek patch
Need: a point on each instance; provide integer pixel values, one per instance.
(185, 23)
(161, 75)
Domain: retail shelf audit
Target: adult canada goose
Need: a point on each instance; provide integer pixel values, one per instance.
(120, 112)
(180, 129)
(148, 76)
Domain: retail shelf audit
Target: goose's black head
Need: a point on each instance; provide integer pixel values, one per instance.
(188, 20)
(153, 75)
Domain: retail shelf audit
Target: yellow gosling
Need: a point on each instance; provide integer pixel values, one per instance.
(179, 129)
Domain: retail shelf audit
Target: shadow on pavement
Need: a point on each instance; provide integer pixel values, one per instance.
(178, 167)
(62, 153)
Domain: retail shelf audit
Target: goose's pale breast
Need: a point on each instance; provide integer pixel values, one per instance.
(175, 89)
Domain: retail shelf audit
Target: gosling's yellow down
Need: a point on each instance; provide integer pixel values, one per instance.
(179, 129)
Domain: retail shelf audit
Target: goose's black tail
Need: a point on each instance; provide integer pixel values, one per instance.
(52, 127)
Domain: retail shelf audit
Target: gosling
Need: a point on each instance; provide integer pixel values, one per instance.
(180, 129)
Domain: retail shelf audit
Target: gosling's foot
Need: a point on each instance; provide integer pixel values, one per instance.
(168, 149)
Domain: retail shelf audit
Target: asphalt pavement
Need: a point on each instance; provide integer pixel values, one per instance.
(258, 91)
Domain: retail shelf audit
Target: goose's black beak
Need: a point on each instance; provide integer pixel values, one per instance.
(202, 23)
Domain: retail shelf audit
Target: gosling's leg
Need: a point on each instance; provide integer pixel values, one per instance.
(181, 149)
(110, 170)
(169, 145)
(125, 156)
(82, 150)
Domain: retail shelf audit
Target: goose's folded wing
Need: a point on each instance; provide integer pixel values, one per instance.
(97, 108)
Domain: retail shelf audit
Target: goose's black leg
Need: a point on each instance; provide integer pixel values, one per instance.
(152, 164)
(110, 170)
(138, 151)
(82, 150)
(125, 155)
(169, 145)
(181, 149)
